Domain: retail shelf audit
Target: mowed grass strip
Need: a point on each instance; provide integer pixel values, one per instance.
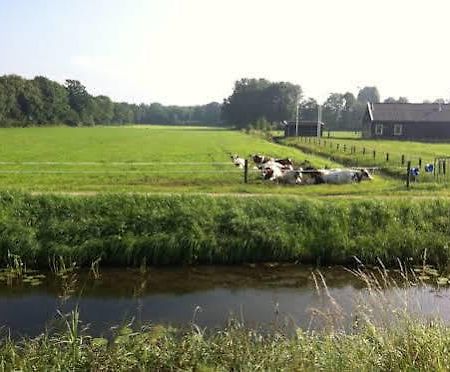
(129, 158)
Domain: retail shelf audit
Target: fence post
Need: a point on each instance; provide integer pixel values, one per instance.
(444, 167)
(408, 174)
(387, 156)
(434, 168)
(345, 148)
(403, 159)
(364, 151)
(246, 171)
(420, 163)
(374, 154)
(337, 146)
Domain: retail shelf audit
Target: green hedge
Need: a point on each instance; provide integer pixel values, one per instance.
(128, 229)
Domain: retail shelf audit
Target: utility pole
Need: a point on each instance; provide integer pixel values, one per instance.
(296, 114)
(319, 121)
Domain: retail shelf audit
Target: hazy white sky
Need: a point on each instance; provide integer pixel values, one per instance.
(192, 51)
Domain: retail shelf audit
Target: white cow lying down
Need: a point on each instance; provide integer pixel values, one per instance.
(340, 176)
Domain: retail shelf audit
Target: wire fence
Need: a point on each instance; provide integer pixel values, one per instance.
(375, 161)
(159, 170)
(415, 167)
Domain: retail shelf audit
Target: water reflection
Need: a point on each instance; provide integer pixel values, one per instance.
(263, 295)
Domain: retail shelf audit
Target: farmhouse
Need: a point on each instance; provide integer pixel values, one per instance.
(305, 128)
(415, 121)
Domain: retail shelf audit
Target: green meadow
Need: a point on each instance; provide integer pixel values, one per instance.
(168, 159)
(144, 159)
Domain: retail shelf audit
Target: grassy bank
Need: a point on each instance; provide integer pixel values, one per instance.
(411, 345)
(129, 229)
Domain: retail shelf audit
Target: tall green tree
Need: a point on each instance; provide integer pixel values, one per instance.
(333, 109)
(2, 105)
(79, 98)
(55, 101)
(369, 94)
(253, 99)
(103, 110)
(308, 109)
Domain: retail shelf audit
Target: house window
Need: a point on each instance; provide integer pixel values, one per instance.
(379, 129)
(398, 129)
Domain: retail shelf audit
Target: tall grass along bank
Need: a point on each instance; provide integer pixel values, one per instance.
(131, 229)
(411, 346)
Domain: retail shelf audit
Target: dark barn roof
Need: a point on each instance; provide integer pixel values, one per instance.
(409, 112)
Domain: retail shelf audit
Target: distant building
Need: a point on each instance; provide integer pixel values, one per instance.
(305, 129)
(412, 121)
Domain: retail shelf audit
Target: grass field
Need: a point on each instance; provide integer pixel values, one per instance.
(411, 150)
(167, 159)
(130, 159)
(146, 159)
(391, 156)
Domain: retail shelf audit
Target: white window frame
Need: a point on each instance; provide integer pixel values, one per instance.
(378, 129)
(398, 132)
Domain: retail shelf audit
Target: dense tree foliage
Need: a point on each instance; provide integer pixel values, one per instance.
(41, 101)
(393, 100)
(345, 111)
(369, 94)
(258, 103)
(254, 99)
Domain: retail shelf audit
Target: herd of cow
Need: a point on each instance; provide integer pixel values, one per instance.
(285, 172)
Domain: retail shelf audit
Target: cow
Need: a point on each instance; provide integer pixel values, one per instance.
(276, 172)
(260, 160)
(286, 162)
(341, 176)
(271, 171)
(237, 161)
(291, 177)
(311, 176)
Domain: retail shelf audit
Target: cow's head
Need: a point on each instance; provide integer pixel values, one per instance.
(267, 173)
(363, 174)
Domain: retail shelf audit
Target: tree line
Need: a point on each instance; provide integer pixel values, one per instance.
(256, 103)
(259, 103)
(41, 101)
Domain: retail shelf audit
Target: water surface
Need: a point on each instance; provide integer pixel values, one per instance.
(263, 296)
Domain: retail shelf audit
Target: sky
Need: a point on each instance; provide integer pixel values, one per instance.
(189, 52)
